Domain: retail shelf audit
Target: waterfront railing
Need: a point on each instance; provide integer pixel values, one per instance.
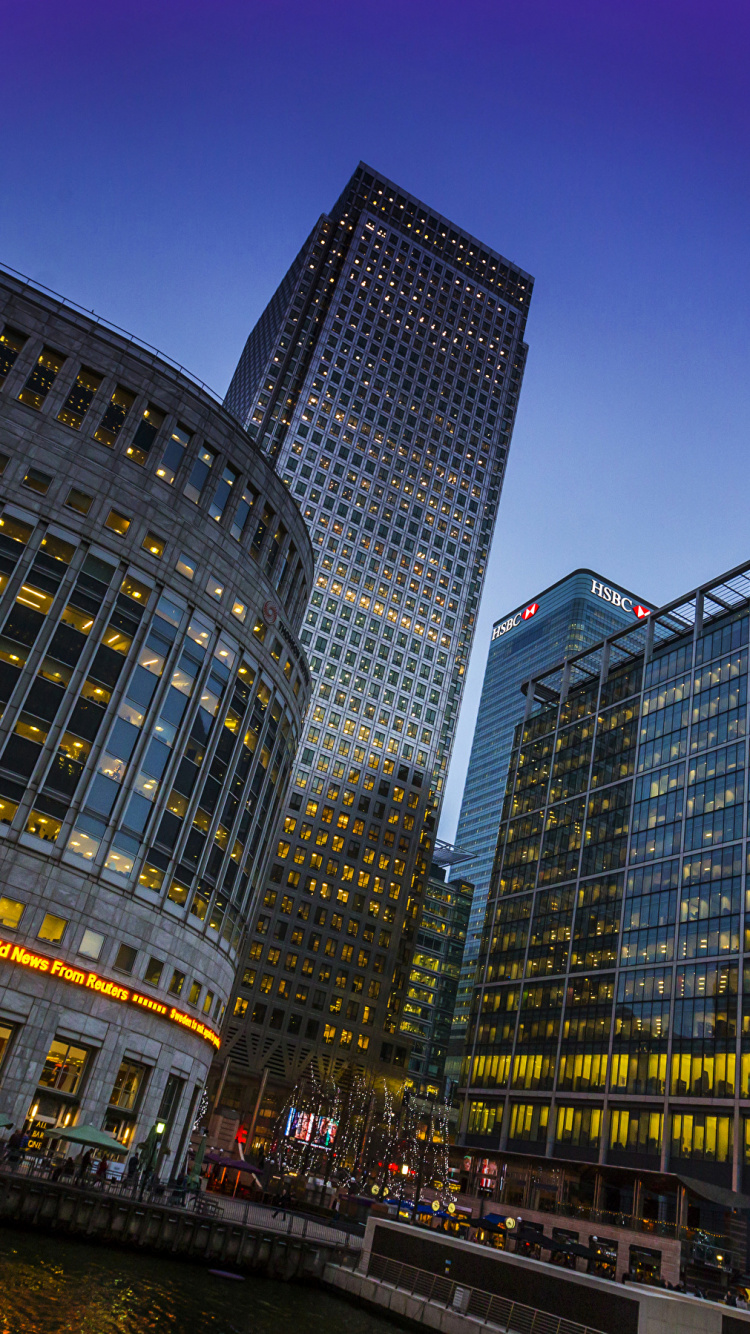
(486, 1307)
(246, 1213)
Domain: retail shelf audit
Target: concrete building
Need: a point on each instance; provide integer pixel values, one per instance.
(563, 619)
(383, 379)
(154, 572)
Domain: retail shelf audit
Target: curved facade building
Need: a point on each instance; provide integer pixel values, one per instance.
(154, 572)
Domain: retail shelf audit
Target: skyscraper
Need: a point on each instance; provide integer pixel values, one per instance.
(383, 379)
(568, 616)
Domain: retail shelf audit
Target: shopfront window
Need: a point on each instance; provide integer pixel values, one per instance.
(130, 1079)
(64, 1067)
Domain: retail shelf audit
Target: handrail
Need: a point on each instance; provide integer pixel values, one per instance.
(206, 1204)
(464, 1300)
(115, 328)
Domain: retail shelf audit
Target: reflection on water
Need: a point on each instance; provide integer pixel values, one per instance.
(56, 1286)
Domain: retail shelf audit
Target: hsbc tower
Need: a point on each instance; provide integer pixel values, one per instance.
(569, 616)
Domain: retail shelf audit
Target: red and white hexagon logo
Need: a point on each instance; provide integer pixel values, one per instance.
(530, 611)
(640, 611)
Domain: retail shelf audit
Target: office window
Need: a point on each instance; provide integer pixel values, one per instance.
(79, 501)
(186, 566)
(52, 928)
(174, 454)
(42, 378)
(125, 960)
(177, 983)
(11, 343)
(153, 544)
(80, 398)
(223, 491)
(114, 417)
(64, 1067)
(91, 944)
(37, 481)
(199, 474)
(11, 912)
(143, 441)
(153, 972)
(117, 522)
(127, 1086)
(237, 527)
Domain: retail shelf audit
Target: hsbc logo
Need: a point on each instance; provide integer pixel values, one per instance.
(619, 599)
(513, 621)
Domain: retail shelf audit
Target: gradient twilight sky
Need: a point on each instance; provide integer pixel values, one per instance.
(161, 163)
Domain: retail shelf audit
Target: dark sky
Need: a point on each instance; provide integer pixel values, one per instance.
(162, 162)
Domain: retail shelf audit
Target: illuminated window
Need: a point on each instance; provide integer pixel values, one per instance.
(37, 481)
(155, 545)
(177, 983)
(114, 417)
(203, 464)
(117, 522)
(153, 972)
(215, 588)
(186, 566)
(127, 1086)
(11, 912)
(91, 944)
(11, 343)
(80, 398)
(42, 378)
(52, 928)
(64, 1066)
(173, 454)
(239, 609)
(148, 429)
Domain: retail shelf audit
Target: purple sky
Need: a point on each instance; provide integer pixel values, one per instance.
(161, 163)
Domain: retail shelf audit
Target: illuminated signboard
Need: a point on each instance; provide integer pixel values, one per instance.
(319, 1131)
(601, 590)
(619, 599)
(513, 621)
(42, 963)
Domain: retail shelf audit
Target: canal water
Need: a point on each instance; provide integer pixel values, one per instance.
(56, 1286)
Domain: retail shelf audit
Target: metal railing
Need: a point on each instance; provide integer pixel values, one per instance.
(259, 1217)
(138, 343)
(474, 1302)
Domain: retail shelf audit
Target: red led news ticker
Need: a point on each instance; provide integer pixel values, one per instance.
(42, 963)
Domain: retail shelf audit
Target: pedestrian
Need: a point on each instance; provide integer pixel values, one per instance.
(84, 1164)
(101, 1170)
(131, 1171)
(15, 1149)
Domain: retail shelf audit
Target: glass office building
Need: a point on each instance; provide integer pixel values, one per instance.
(567, 617)
(434, 972)
(611, 1022)
(383, 379)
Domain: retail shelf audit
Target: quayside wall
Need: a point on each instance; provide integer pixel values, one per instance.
(284, 1248)
(456, 1287)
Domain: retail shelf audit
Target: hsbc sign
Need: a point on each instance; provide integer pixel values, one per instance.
(513, 621)
(617, 599)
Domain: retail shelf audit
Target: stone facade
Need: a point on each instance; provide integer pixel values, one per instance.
(154, 572)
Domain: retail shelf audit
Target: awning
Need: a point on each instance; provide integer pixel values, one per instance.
(5, 1122)
(90, 1136)
(730, 1199)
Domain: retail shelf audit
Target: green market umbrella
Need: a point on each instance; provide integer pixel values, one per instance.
(5, 1122)
(90, 1136)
